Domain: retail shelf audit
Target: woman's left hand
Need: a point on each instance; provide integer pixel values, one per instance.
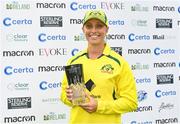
(91, 105)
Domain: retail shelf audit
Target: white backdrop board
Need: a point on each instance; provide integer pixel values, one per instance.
(39, 36)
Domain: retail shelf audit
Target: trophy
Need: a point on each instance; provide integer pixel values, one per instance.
(75, 77)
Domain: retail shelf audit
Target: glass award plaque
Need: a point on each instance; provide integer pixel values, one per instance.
(75, 77)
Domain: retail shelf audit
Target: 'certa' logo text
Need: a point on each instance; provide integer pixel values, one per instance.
(160, 93)
(116, 22)
(134, 37)
(76, 6)
(179, 9)
(159, 51)
(143, 80)
(44, 37)
(46, 85)
(9, 70)
(144, 122)
(74, 51)
(19, 119)
(9, 22)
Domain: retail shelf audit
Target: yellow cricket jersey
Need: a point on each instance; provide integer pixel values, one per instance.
(110, 81)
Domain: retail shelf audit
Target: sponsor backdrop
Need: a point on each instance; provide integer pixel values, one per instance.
(38, 37)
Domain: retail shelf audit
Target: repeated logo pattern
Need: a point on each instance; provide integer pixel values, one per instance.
(38, 37)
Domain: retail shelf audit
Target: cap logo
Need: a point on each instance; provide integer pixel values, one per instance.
(96, 14)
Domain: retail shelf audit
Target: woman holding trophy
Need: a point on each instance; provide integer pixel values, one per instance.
(99, 84)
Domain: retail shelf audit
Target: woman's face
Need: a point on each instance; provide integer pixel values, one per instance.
(95, 31)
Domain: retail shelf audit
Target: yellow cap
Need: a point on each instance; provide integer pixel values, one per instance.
(95, 14)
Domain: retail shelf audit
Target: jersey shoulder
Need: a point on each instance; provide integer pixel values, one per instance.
(117, 57)
(75, 57)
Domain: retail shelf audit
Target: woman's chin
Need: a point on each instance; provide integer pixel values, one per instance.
(94, 42)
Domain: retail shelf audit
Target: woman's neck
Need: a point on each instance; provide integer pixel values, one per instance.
(95, 51)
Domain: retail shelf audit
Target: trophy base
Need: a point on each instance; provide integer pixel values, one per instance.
(78, 101)
(78, 94)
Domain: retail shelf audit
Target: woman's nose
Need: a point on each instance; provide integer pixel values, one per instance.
(94, 29)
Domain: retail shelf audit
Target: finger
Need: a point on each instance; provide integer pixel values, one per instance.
(67, 88)
(87, 109)
(84, 105)
(69, 91)
(69, 96)
(87, 95)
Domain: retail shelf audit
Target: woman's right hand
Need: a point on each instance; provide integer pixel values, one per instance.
(69, 93)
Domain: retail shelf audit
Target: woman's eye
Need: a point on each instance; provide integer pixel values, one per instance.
(99, 26)
(88, 26)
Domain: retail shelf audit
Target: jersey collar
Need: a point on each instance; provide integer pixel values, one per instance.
(106, 50)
